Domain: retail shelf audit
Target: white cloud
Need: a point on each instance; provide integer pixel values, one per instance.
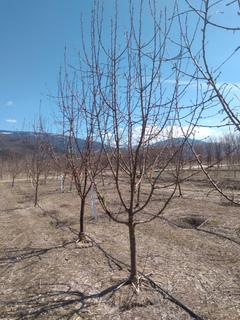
(9, 103)
(203, 132)
(11, 120)
(197, 132)
(155, 134)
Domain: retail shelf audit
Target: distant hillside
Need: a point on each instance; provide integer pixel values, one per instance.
(179, 141)
(24, 142)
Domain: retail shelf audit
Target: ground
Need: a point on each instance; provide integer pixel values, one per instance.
(190, 253)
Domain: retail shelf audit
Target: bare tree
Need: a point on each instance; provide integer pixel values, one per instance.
(137, 92)
(38, 159)
(230, 146)
(14, 165)
(218, 151)
(81, 152)
(221, 98)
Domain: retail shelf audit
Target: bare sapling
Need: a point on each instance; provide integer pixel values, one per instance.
(15, 163)
(79, 128)
(135, 107)
(38, 160)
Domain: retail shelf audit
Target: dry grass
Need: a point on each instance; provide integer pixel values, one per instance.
(192, 252)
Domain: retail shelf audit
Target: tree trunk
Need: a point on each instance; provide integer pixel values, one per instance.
(13, 180)
(63, 176)
(234, 173)
(71, 183)
(82, 210)
(132, 242)
(138, 195)
(102, 178)
(36, 192)
(179, 189)
(45, 178)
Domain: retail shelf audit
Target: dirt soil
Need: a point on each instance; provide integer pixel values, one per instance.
(191, 253)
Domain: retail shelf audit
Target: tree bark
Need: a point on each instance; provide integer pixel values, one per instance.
(132, 242)
(36, 192)
(138, 195)
(71, 183)
(82, 211)
(13, 180)
(179, 189)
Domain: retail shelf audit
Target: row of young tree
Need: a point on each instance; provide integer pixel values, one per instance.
(122, 106)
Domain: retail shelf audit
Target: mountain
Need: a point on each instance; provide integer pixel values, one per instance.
(24, 142)
(179, 141)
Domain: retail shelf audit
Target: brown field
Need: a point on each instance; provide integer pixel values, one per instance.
(192, 253)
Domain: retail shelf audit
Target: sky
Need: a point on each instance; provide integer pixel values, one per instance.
(34, 34)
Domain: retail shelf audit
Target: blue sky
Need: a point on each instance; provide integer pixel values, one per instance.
(33, 35)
